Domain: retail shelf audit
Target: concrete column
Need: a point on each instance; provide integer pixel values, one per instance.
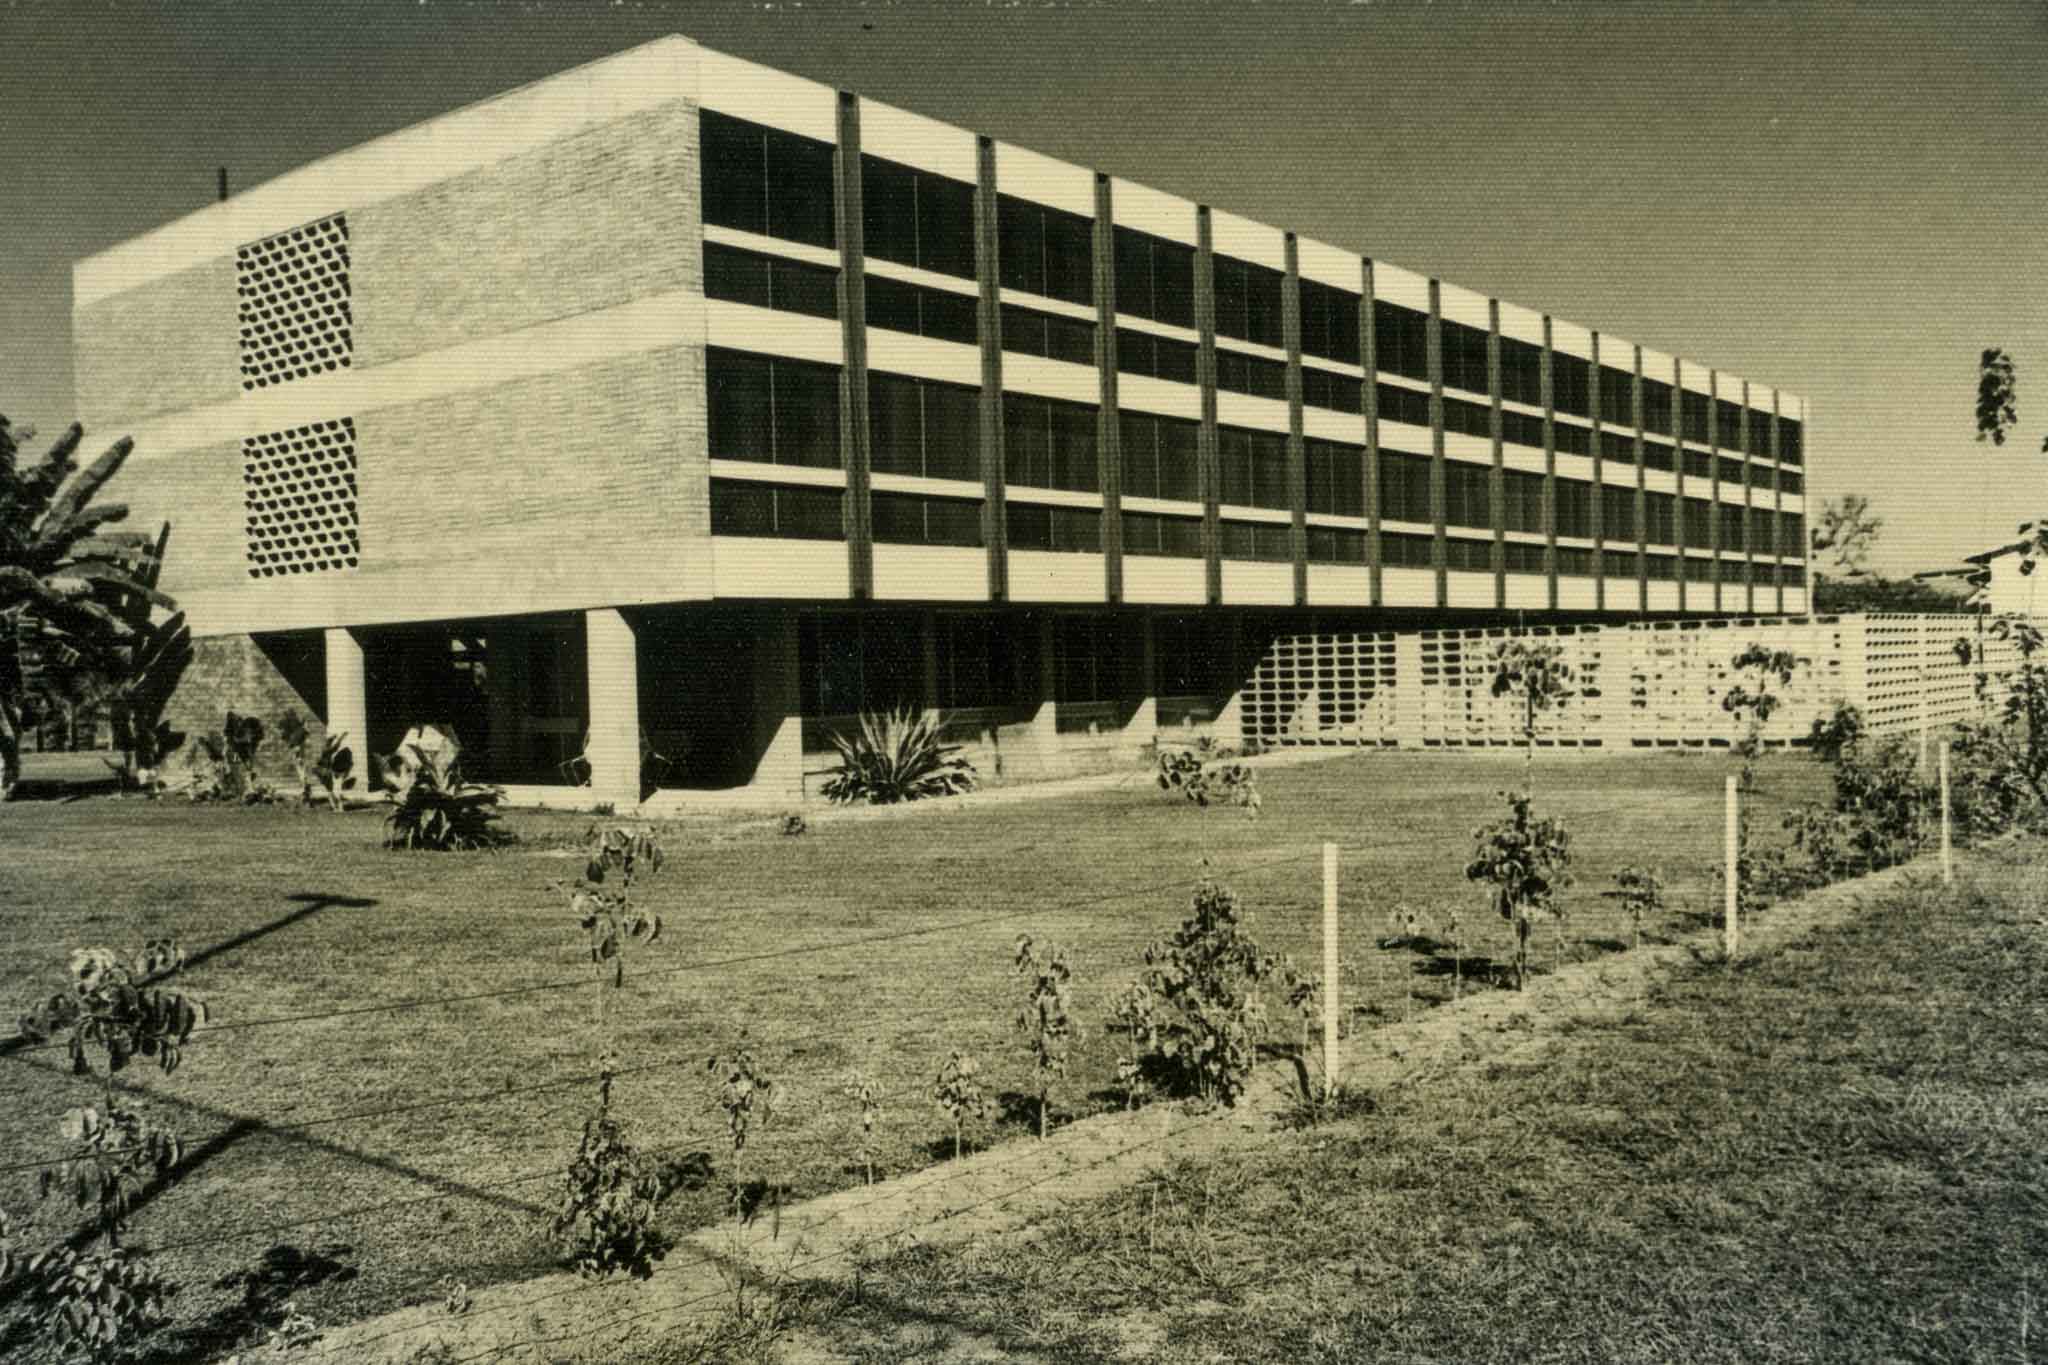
(348, 708)
(778, 710)
(1042, 735)
(1143, 676)
(612, 661)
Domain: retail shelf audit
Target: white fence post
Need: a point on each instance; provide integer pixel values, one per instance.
(1948, 861)
(1332, 986)
(1732, 932)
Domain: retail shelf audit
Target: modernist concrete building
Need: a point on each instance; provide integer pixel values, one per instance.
(664, 411)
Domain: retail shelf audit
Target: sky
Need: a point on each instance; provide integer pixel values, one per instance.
(1849, 201)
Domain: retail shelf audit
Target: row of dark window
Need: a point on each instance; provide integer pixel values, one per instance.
(780, 184)
(1237, 372)
(1158, 357)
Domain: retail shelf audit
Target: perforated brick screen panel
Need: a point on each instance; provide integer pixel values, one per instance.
(299, 499)
(293, 297)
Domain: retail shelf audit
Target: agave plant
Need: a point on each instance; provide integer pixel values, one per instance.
(897, 756)
(433, 808)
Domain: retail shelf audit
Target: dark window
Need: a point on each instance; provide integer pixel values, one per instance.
(1699, 465)
(1255, 375)
(1174, 537)
(1522, 429)
(1468, 499)
(1573, 562)
(1465, 358)
(937, 313)
(1405, 551)
(1160, 458)
(1049, 444)
(1660, 567)
(905, 519)
(1252, 467)
(1571, 382)
(978, 660)
(1030, 332)
(1730, 470)
(1617, 406)
(771, 410)
(1069, 530)
(1045, 250)
(1790, 482)
(1468, 556)
(740, 508)
(1699, 523)
(1763, 530)
(1660, 513)
(1337, 392)
(1618, 563)
(1760, 475)
(770, 282)
(1572, 438)
(1247, 300)
(1336, 545)
(1155, 278)
(1404, 487)
(1657, 407)
(1090, 657)
(1329, 323)
(1698, 570)
(1727, 424)
(1521, 501)
(1336, 477)
(1521, 371)
(1657, 455)
(1759, 433)
(1258, 540)
(1693, 410)
(764, 180)
(1522, 557)
(1400, 340)
(1160, 357)
(1403, 405)
(915, 217)
(1734, 527)
(1792, 575)
(859, 661)
(920, 426)
(1471, 419)
(1184, 656)
(1617, 513)
(1790, 442)
(1574, 508)
(1618, 445)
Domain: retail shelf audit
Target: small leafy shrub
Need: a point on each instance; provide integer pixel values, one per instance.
(2005, 773)
(1763, 673)
(1837, 732)
(1207, 983)
(1526, 861)
(957, 1090)
(894, 757)
(748, 1099)
(794, 825)
(331, 768)
(1198, 775)
(225, 764)
(434, 808)
(1641, 893)
(605, 1221)
(1046, 1020)
(1537, 676)
(1133, 1016)
(102, 1300)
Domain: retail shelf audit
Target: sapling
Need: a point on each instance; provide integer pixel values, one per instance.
(748, 1099)
(605, 1220)
(1538, 678)
(1304, 998)
(1641, 893)
(1046, 1020)
(1526, 861)
(1133, 1016)
(864, 1092)
(1207, 981)
(958, 1091)
(1755, 700)
(98, 1302)
(1447, 925)
(1404, 926)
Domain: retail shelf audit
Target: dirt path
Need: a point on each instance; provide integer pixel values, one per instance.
(1006, 1188)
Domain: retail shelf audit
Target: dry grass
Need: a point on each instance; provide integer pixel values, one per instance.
(882, 944)
(1829, 1154)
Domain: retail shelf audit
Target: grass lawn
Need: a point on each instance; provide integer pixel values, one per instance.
(353, 1156)
(1830, 1153)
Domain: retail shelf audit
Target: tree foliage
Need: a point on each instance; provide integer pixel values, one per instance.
(69, 584)
(1206, 991)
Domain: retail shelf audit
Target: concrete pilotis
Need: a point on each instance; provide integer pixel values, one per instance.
(778, 712)
(348, 708)
(613, 747)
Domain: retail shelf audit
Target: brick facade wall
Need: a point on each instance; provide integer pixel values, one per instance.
(266, 677)
(171, 344)
(591, 220)
(199, 492)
